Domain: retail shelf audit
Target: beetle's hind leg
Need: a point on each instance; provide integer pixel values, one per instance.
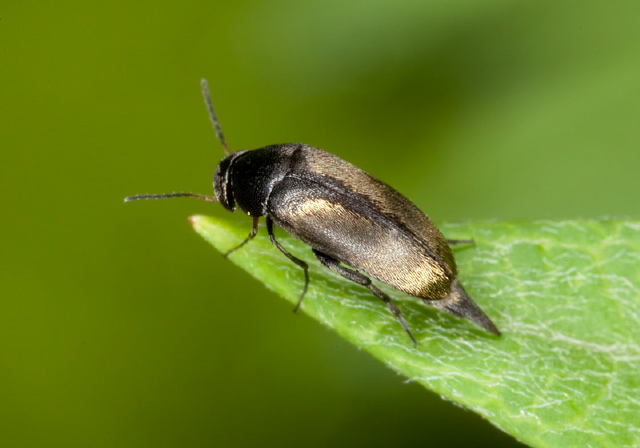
(455, 242)
(363, 280)
(297, 261)
(254, 232)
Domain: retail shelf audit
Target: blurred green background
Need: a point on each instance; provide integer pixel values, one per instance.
(119, 326)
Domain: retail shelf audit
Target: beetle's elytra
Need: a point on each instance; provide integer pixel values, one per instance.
(354, 223)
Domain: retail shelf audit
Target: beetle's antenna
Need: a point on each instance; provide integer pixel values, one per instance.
(212, 114)
(170, 195)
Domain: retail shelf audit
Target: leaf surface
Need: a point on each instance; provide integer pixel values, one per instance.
(565, 294)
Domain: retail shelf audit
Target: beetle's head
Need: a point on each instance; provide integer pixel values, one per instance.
(222, 184)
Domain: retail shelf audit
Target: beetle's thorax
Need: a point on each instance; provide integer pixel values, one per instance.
(246, 178)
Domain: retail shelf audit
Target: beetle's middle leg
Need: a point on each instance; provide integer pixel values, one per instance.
(297, 261)
(363, 280)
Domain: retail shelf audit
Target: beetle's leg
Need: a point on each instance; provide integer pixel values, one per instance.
(297, 261)
(363, 280)
(453, 242)
(254, 232)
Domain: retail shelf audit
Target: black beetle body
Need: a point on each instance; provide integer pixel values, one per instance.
(348, 218)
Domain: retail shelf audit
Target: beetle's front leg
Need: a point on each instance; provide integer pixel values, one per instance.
(254, 232)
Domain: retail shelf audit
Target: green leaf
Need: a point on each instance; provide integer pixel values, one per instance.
(566, 296)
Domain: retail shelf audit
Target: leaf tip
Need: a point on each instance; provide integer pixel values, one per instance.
(195, 220)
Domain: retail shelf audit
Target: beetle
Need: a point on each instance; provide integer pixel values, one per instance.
(354, 223)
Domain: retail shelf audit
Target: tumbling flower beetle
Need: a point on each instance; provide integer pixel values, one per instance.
(348, 217)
